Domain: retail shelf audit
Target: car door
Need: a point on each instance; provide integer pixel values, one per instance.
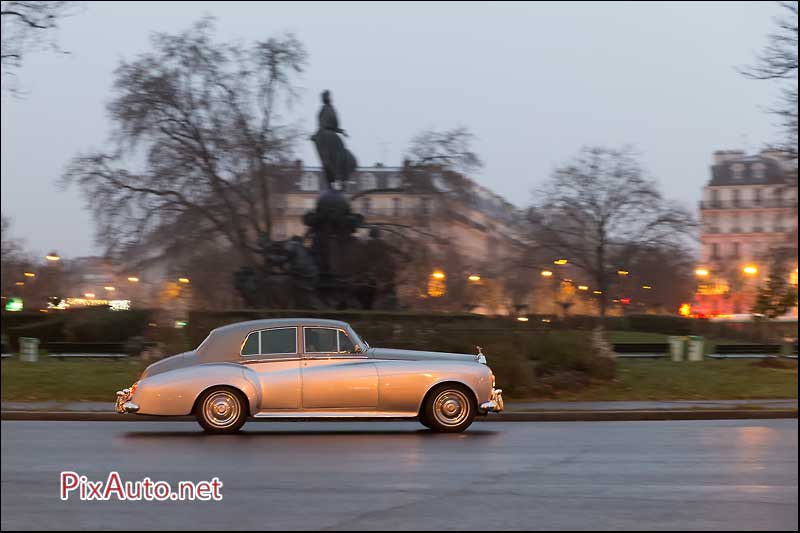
(334, 375)
(274, 356)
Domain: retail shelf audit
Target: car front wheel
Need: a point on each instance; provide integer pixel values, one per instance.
(221, 410)
(449, 408)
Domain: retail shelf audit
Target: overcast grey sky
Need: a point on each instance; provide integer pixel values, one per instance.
(534, 82)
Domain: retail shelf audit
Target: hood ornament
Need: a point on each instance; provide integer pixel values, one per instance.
(480, 357)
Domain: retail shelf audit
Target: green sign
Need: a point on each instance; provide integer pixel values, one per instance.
(14, 304)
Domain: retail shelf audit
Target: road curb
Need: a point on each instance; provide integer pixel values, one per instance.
(527, 416)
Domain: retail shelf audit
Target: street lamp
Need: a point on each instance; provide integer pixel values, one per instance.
(560, 262)
(583, 287)
(437, 274)
(53, 256)
(30, 275)
(701, 272)
(750, 270)
(623, 272)
(547, 273)
(133, 279)
(474, 278)
(647, 287)
(109, 288)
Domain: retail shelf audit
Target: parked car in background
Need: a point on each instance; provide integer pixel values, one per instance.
(311, 368)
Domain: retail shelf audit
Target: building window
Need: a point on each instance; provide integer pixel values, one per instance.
(735, 250)
(426, 206)
(757, 196)
(368, 182)
(757, 228)
(394, 181)
(309, 182)
(759, 171)
(735, 195)
(396, 205)
(714, 250)
(738, 171)
(714, 198)
(779, 223)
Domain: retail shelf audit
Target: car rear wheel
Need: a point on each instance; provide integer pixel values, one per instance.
(221, 410)
(449, 408)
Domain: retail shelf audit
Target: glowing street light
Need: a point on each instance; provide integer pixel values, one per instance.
(109, 288)
(583, 287)
(30, 275)
(522, 318)
(133, 279)
(88, 295)
(20, 283)
(701, 272)
(53, 256)
(597, 292)
(547, 273)
(750, 270)
(560, 262)
(623, 272)
(474, 277)
(647, 287)
(183, 280)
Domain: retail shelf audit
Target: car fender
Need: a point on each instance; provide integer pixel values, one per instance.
(405, 384)
(176, 391)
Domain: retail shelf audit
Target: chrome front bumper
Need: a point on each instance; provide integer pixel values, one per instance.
(495, 403)
(123, 404)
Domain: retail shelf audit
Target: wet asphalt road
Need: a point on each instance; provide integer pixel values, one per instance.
(395, 475)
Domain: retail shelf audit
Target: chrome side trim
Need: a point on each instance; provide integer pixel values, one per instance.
(324, 357)
(335, 414)
(270, 360)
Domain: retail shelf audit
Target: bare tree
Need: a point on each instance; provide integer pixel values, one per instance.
(204, 121)
(28, 26)
(600, 212)
(446, 149)
(778, 61)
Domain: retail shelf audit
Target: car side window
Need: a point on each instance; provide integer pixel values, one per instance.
(321, 340)
(276, 341)
(345, 344)
(327, 340)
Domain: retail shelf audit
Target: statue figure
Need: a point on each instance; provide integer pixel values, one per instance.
(337, 161)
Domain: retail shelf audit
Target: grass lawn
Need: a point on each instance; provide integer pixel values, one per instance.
(704, 380)
(49, 379)
(98, 380)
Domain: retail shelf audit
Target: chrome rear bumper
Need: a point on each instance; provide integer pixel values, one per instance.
(495, 403)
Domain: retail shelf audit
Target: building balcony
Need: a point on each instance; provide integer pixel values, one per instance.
(749, 204)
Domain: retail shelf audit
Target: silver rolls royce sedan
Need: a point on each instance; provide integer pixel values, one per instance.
(311, 368)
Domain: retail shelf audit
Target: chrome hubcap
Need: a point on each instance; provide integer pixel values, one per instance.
(221, 409)
(451, 407)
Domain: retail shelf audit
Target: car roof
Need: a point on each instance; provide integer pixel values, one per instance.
(224, 343)
(251, 325)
